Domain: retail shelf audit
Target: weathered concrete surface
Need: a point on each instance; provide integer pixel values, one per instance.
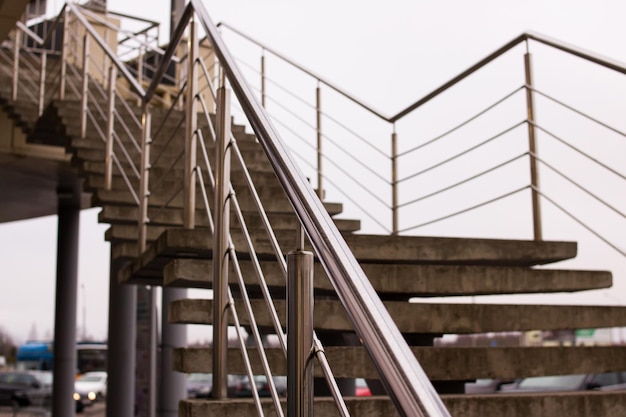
(587, 404)
(440, 364)
(405, 281)
(431, 318)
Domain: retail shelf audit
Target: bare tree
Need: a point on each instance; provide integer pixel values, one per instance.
(7, 346)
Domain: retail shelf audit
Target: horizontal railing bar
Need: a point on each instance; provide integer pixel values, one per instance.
(105, 48)
(348, 154)
(580, 187)
(465, 152)
(580, 152)
(306, 162)
(580, 222)
(448, 188)
(462, 124)
(465, 210)
(169, 52)
(579, 112)
(55, 22)
(319, 78)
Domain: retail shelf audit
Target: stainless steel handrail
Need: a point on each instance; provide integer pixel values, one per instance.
(408, 385)
(308, 72)
(557, 44)
(105, 48)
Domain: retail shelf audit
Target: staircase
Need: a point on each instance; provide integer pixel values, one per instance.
(399, 268)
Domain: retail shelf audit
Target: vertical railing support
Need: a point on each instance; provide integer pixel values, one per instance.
(320, 153)
(394, 182)
(144, 190)
(105, 57)
(300, 330)
(108, 155)
(532, 147)
(143, 220)
(84, 94)
(189, 185)
(42, 83)
(64, 52)
(16, 63)
(220, 244)
(140, 71)
(263, 78)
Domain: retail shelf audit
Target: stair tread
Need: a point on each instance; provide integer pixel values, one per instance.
(439, 363)
(371, 249)
(404, 280)
(427, 318)
(553, 404)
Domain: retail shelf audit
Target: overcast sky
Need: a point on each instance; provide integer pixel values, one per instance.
(387, 53)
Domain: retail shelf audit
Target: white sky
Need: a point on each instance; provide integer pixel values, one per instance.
(387, 53)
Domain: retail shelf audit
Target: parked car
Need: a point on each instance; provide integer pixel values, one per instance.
(262, 386)
(26, 388)
(199, 385)
(485, 386)
(89, 388)
(578, 382)
(361, 389)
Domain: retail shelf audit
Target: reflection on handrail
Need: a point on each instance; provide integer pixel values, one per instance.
(408, 385)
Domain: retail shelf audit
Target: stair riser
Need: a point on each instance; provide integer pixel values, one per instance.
(440, 364)
(432, 318)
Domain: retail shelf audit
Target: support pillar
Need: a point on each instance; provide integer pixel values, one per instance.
(66, 302)
(120, 399)
(173, 384)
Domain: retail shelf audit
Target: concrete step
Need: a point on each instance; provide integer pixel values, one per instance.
(574, 404)
(238, 179)
(375, 249)
(162, 123)
(92, 162)
(174, 217)
(439, 363)
(422, 318)
(406, 281)
(174, 199)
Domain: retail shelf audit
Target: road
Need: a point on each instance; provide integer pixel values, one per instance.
(97, 410)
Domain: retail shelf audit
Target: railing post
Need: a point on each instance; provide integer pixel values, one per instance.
(108, 155)
(42, 83)
(84, 94)
(220, 244)
(300, 330)
(263, 78)
(144, 190)
(189, 210)
(142, 239)
(320, 176)
(532, 147)
(16, 63)
(64, 52)
(105, 57)
(394, 182)
(140, 70)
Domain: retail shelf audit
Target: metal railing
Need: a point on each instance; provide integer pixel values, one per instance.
(410, 175)
(92, 74)
(118, 94)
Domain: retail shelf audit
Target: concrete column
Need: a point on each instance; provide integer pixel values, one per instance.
(173, 384)
(121, 345)
(66, 302)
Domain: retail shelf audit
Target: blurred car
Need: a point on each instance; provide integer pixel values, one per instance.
(26, 388)
(262, 386)
(578, 382)
(485, 386)
(89, 388)
(361, 389)
(199, 385)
